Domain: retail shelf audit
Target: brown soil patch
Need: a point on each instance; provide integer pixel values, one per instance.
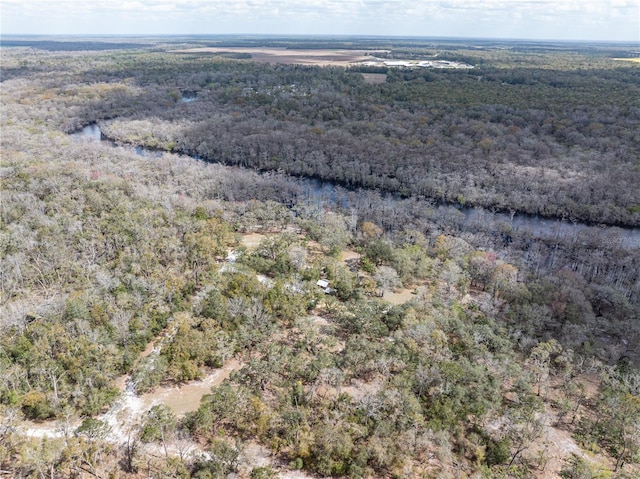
(252, 240)
(349, 255)
(591, 383)
(355, 388)
(399, 296)
(320, 57)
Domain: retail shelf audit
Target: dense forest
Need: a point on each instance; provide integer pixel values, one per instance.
(474, 136)
(439, 346)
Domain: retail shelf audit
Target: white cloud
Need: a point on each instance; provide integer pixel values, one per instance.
(596, 19)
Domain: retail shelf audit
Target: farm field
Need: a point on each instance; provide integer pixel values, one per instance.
(290, 56)
(320, 57)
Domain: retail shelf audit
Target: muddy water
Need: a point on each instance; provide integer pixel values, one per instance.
(186, 398)
(180, 399)
(130, 408)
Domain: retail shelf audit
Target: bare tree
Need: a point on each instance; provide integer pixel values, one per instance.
(386, 277)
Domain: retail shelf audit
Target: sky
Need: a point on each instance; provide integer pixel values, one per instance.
(613, 20)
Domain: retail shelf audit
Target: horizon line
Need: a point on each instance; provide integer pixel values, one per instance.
(316, 35)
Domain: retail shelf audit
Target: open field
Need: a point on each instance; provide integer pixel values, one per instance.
(633, 60)
(292, 56)
(324, 57)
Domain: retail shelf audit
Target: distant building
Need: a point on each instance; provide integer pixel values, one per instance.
(324, 284)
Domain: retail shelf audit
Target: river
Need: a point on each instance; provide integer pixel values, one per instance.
(326, 193)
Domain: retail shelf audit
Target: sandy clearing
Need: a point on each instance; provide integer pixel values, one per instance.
(50, 429)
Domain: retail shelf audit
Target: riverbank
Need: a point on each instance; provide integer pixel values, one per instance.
(330, 194)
